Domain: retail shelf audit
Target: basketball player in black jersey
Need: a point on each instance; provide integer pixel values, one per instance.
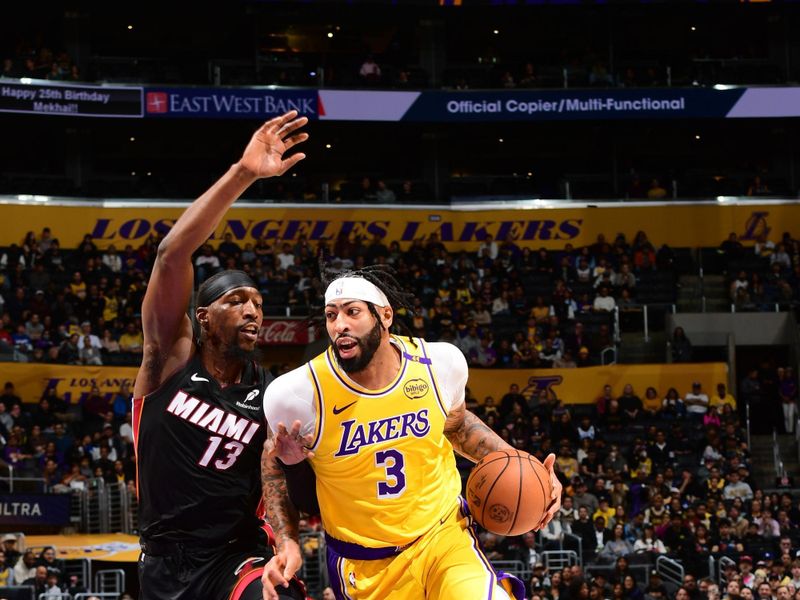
(198, 418)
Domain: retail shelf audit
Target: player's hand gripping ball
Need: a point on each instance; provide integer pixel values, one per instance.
(508, 492)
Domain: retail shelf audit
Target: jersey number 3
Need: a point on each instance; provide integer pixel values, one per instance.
(234, 449)
(394, 463)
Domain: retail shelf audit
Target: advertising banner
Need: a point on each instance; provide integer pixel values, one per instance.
(33, 509)
(55, 98)
(573, 386)
(537, 224)
(436, 106)
(585, 385)
(285, 332)
(116, 547)
(229, 103)
(73, 383)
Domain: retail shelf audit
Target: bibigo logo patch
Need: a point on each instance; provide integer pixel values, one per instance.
(416, 388)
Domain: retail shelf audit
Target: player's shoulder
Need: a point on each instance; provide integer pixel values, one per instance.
(446, 354)
(294, 383)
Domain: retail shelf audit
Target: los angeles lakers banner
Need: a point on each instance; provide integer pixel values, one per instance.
(585, 385)
(573, 386)
(72, 383)
(535, 224)
(114, 547)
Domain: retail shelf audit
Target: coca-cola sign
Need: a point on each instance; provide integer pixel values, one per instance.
(286, 332)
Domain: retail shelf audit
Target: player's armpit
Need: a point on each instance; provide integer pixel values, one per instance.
(470, 436)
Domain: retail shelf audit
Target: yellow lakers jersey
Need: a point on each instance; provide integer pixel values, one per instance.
(385, 471)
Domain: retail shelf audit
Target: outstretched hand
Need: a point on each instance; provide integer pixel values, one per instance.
(289, 446)
(555, 496)
(265, 154)
(280, 569)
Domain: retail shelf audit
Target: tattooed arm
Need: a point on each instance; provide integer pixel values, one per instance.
(473, 439)
(283, 518)
(470, 436)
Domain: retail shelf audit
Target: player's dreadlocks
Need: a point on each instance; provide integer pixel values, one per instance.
(384, 278)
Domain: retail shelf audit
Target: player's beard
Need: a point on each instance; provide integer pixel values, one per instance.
(367, 345)
(235, 352)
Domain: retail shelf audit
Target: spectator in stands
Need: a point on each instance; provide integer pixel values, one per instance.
(604, 302)
(681, 346)
(132, 340)
(10, 553)
(9, 396)
(383, 194)
(528, 78)
(25, 567)
(485, 356)
(68, 352)
(52, 588)
(736, 488)
(39, 580)
(649, 543)
(722, 398)
(6, 572)
(584, 498)
(651, 403)
(109, 343)
(89, 354)
(732, 247)
(696, 401)
(656, 191)
(787, 391)
(758, 187)
(527, 554)
(630, 403)
(206, 264)
(370, 72)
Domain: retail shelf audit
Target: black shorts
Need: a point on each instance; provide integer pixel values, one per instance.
(176, 572)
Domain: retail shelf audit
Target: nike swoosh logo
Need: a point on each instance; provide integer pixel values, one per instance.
(196, 377)
(337, 410)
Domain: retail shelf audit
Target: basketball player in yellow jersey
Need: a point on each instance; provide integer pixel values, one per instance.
(380, 416)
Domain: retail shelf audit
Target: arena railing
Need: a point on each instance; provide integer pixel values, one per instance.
(28, 484)
(109, 581)
(313, 572)
(18, 592)
(558, 559)
(721, 566)
(670, 569)
(605, 353)
(54, 596)
(797, 437)
(517, 568)
(571, 539)
(777, 461)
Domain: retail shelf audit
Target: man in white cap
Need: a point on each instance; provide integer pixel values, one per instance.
(379, 417)
(10, 549)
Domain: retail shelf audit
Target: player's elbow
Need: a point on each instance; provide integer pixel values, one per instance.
(170, 253)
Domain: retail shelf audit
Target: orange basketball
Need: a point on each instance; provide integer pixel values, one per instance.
(508, 492)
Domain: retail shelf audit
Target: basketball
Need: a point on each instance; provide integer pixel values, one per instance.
(508, 492)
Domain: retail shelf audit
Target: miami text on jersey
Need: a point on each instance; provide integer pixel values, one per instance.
(215, 420)
(354, 437)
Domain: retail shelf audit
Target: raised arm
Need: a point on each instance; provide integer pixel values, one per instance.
(167, 328)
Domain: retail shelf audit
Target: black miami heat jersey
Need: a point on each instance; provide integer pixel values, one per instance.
(198, 455)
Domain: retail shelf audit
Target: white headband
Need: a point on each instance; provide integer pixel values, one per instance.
(355, 288)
